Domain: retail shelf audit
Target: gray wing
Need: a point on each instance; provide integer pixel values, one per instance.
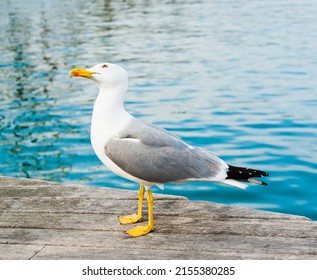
(155, 155)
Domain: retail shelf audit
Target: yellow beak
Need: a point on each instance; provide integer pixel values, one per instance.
(79, 72)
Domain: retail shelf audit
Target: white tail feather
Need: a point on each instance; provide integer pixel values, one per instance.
(234, 183)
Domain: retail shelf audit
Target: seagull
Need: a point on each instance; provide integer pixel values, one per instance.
(146, 154)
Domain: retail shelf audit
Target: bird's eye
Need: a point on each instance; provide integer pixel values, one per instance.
(105, 66)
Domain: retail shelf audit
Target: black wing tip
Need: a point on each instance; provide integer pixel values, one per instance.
(246, 174)
(265, 174)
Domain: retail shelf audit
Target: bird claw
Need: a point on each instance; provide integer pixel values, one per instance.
(140, 230)
(130, 219)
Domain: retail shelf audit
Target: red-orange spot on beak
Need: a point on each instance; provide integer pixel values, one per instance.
(79, 72)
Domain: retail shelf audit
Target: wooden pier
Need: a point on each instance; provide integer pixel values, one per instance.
(46, 220)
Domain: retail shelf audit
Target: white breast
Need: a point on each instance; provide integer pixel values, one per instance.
(107, 122)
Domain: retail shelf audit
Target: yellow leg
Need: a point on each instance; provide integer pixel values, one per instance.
(134, 218)
(143, 230)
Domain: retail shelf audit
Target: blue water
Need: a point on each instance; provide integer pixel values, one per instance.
(236, 77)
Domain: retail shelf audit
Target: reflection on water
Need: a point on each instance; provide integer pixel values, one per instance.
(236, 77)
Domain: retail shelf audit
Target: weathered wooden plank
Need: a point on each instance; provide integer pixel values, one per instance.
(22, 188)
(93, 238)
(73, 253)
(167, 205)
(190, 224)
(44, 220)
(221, 245)
(19, 252)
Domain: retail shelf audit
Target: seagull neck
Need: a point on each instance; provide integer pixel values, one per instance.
(111, 100)
(109, 110)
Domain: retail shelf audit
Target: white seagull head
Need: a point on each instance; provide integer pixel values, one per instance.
(106, 75)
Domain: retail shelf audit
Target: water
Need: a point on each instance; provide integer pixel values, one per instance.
(236, 77)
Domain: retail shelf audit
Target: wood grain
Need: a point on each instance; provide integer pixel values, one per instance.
(46, 220)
